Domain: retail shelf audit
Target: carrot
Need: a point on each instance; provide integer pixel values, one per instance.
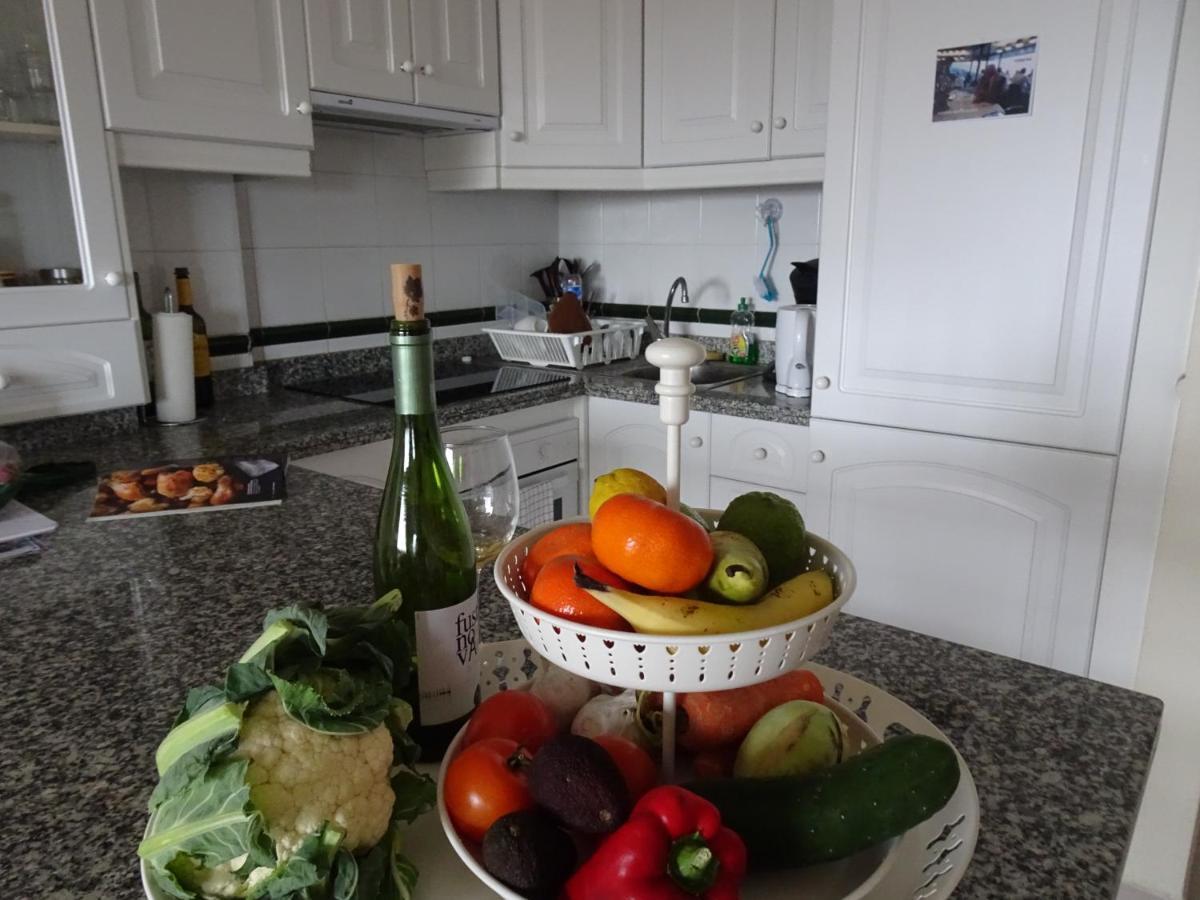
(716, 763)
(722, 718)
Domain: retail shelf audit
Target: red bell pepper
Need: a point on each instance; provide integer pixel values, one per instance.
(673, 847)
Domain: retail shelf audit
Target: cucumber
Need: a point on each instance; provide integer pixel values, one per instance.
(878, 794)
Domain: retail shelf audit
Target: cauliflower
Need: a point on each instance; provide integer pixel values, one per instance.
(300, 778)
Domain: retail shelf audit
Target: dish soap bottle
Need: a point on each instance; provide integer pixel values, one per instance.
(743, 341)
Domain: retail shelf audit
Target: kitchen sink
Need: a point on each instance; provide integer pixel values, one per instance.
(706, 375)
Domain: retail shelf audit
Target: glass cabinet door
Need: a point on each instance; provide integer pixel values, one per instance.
(60, 256)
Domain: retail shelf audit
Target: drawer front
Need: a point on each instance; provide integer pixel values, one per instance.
(762, 453)
(722, 491)
(70, 369)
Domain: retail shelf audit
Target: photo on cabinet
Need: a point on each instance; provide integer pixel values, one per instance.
(989, 80)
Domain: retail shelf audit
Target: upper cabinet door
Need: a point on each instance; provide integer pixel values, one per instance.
(800, 100)
(990, 175)
(708, 81)
(360, 47)
(233, 70)
(571, 82)
(997, 546)
(58, 190)
(455, 55)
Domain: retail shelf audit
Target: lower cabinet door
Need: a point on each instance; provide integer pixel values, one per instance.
(722, 491)
(69, 369)
(994, 545)
(623, 434)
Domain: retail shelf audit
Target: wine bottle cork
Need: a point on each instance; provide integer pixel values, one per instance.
(408, 296)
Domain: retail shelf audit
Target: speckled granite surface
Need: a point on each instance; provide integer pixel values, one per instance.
(105, 631)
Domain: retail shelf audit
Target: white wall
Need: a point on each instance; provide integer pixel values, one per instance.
(319, 248)
(286, 251)
(713, 238)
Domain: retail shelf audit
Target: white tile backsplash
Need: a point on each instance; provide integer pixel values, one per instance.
(335, 150)
(402, 211)
(399, 154)
(291, 288)
(713, 238)
(283, 212)
(192, 211)
(353, 283)
(457, 270)
(345, 205)
(218, 285)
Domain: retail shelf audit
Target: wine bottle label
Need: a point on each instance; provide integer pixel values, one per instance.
(448, 661)
(201, 361)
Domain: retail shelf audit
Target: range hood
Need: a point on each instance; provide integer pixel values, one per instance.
(388, 115)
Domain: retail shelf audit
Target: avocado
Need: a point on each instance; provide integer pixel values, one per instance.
(775, 526)
(739, 571)
(529, 852)
(575, 780)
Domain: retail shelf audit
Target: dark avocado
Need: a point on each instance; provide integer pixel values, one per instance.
(530, 853)
(576, 780)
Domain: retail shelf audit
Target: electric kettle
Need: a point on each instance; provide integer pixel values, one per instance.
(794, 327)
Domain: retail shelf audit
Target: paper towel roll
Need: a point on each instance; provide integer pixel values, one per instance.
(174, 374)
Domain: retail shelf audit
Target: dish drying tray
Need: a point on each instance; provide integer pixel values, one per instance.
(613, 339)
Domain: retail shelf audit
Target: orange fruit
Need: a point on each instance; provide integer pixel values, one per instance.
(556, 592)
(573, 539)
(649, 544)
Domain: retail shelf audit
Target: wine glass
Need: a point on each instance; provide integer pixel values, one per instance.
(481, 462)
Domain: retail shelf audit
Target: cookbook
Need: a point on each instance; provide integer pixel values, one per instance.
(193, 485)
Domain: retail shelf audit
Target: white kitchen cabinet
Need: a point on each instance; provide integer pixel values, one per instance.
(227, 70)
(708, 81)
(572, 83)
(997, 546)
(622, 434)
(58, 191)
(456, 55)
(770, 454)
(361, 47)
(982, 276)
(722, 491)
(68, 369)
(800, 93)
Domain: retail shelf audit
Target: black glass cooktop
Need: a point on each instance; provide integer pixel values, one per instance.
(452, 381)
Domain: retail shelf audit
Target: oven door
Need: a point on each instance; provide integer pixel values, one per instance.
(549, 495)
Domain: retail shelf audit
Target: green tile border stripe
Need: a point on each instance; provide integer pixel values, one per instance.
(232, 344)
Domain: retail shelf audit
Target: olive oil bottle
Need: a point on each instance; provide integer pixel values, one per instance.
(423, 542)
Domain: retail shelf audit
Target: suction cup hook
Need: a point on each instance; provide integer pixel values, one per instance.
(771, 208)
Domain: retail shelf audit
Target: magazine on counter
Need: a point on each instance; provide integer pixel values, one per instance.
(188, 486)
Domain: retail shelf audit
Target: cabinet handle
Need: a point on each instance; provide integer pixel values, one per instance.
(756, 126)
(515, 136)
(114, 279)
(696, 442)
(821, 383)
(760, 453)
(304, 107)
(406, 66)
(427, 69)
(780, 122)
(817, 456)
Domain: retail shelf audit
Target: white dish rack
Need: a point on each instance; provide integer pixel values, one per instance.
(611, 340)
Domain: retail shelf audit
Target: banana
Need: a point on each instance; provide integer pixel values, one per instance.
(794, 599)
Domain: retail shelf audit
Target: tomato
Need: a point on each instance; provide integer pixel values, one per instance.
(637, 768)
(516, 715)
(484, 782)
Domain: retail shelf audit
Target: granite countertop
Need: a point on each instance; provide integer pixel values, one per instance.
(106, 630)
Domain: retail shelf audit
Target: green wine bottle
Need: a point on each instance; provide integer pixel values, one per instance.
(423, 537)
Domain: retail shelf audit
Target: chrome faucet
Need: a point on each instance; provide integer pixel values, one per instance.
(679, 284)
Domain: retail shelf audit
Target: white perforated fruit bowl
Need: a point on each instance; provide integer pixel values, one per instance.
(680, 663)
